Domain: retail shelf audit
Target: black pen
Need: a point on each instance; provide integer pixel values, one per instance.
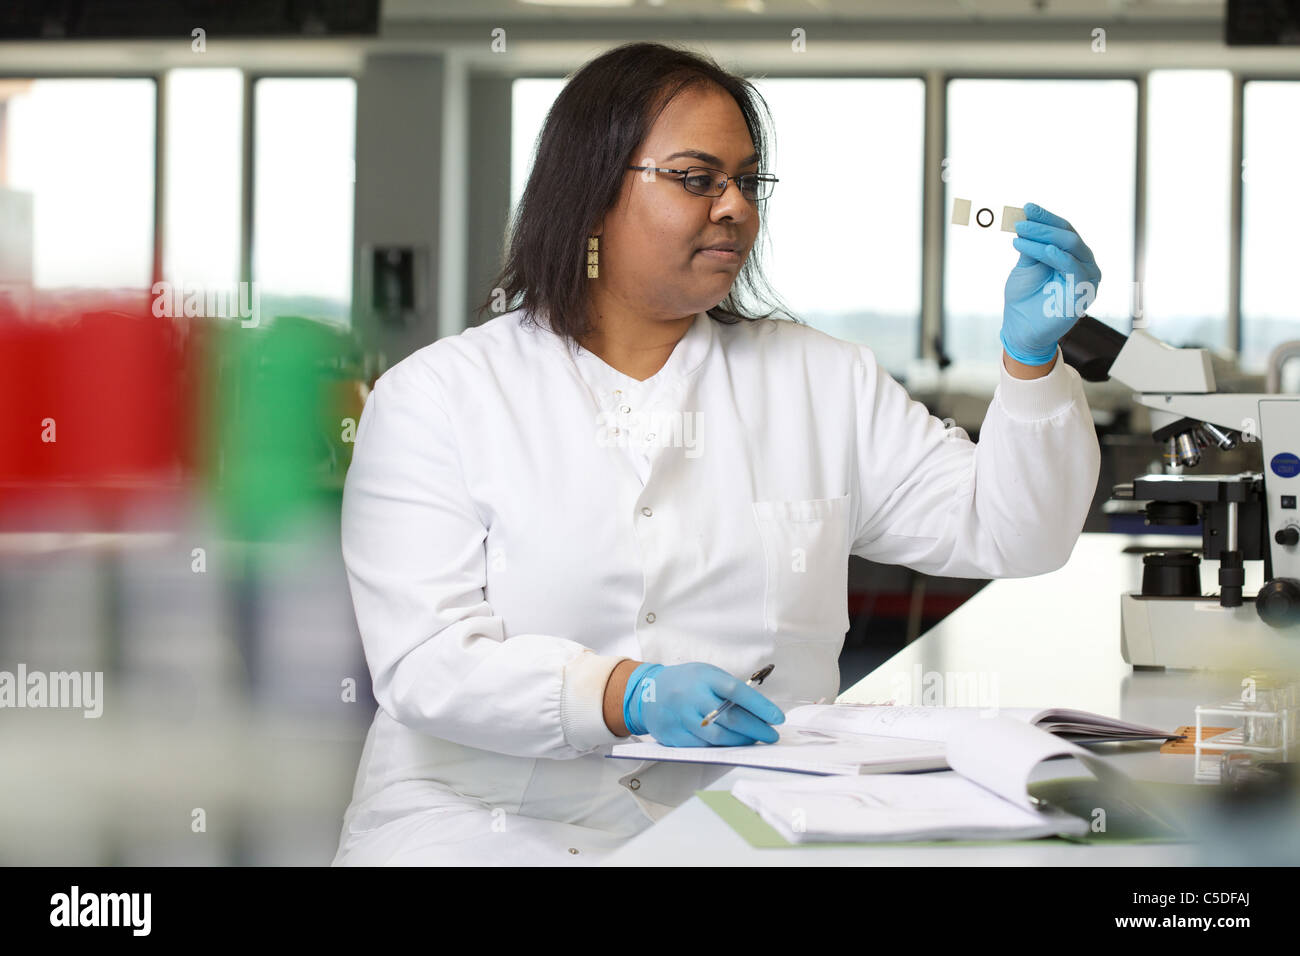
(756, 679)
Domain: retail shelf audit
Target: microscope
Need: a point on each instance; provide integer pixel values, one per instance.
(1251, 516)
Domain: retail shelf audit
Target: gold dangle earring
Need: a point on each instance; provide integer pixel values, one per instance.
(593, 257)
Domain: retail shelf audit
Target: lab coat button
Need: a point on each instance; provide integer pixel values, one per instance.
(647, 512)
(650, 618)
(573, 850)
(624, 409)
(634, 784)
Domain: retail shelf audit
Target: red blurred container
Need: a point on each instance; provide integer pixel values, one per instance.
(114, 386)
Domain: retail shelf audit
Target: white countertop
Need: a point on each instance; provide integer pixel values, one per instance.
(1051, 640)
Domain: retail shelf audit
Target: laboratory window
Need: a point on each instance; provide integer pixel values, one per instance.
(304, 131)
(1184, 297)
(1270, 308)
(76, 184)
(845, 220)
(1067, 145)
(844, 223)
(203, 183)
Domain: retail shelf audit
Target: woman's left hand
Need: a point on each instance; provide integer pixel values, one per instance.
(1051, 254)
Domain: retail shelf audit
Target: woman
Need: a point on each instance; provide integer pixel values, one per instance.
(602, 511)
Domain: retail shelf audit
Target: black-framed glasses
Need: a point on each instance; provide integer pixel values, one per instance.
(703, 181)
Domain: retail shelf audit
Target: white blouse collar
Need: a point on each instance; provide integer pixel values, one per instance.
(687, 355)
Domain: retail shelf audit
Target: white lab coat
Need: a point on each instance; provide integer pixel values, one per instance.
(518, 519)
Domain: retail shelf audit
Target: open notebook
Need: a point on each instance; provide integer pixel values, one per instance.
(989, 800)
(848, 739)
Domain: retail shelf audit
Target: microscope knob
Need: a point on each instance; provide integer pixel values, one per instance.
(1288, 537)
(1278, 602)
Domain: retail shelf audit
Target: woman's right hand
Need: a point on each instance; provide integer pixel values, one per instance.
(669, 702)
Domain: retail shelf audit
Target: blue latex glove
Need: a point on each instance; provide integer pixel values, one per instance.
(1050, 251)
(668, 702)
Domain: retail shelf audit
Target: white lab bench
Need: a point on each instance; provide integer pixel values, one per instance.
(1046, 641)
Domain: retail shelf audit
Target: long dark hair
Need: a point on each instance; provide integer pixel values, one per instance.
(600, 117)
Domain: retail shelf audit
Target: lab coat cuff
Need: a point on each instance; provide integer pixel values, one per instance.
(582, 701)
(1034, 399)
